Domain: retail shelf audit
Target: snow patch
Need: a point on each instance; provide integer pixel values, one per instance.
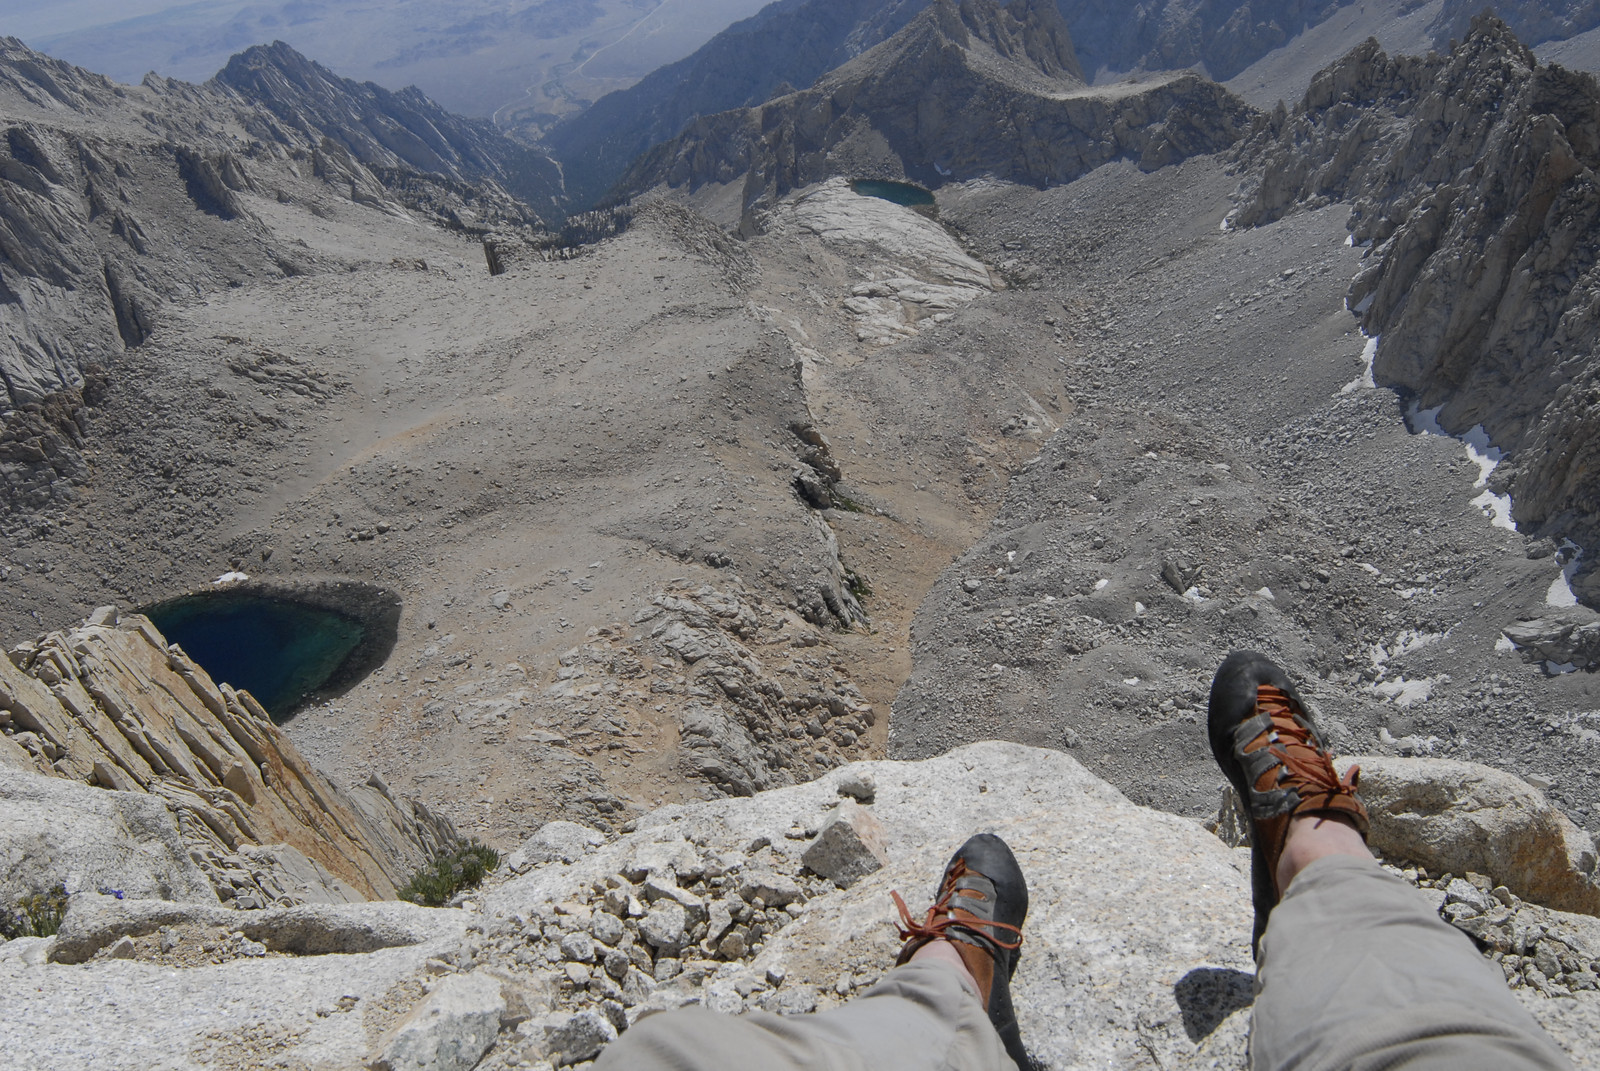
(1403, 693)
(1368, 355)
(1504, 645)
(1497, 508)
(1561, 593)
(1100, 585)
(1194, 596)
(1480, 451)
(231, 578)
(1406, 641)
(1484, 454)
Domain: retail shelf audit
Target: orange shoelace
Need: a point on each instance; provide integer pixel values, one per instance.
(1303, 761)
(939, 919)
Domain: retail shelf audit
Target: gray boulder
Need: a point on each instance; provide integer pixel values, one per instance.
(450, 1030)
(94, 922)
(566, 841)
(54, 831)
(1459, 816)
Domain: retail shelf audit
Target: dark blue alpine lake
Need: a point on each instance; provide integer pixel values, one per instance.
(278, 650)
(901, 193)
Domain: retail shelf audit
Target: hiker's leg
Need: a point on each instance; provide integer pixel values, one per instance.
(924, 1016)
(1358, 972)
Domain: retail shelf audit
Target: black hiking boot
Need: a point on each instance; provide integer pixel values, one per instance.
(1270, 750)
(980, 905)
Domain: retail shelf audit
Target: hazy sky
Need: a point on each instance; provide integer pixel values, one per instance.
(473, 56)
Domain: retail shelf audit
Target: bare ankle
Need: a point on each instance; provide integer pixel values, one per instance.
(946, 952)
(1317, 835)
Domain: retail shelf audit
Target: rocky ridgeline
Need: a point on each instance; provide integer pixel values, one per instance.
(1534, 21)
(115, 200)
(962, 92)
(1137, 951)
(120, 757)
(1471, 178)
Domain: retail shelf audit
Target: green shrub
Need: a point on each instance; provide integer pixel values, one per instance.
(450, 872)
(37, 915)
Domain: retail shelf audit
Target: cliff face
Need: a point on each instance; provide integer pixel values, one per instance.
(1136, 954)
(1473, 180)
(791, 44)
(111, 705)
(962, 92)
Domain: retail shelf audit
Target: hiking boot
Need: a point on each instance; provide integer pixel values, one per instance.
(1269, 749)
(980, 904)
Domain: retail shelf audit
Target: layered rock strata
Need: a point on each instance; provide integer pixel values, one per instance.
(112, 705)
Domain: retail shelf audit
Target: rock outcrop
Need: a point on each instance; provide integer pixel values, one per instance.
(1472, 178)
(1137, 952)
(111, 705)
(963, 91)
(1447, 815)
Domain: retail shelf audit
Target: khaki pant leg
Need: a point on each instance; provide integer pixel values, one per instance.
(920, 1017)
(1358, 973)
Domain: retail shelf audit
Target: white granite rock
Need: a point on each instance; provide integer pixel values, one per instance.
(54, 830)
(450, 1030)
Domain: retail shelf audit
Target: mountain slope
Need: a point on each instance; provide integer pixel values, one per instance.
(963, 91)
(118, 200)
(1475, 180)
(792, 42)
(388, 130)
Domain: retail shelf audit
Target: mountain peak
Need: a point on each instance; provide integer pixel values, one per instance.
(1024, 31)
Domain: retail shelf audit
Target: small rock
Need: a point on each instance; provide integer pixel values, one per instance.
(851, 845)
(971, 586)
(663, 927)
(579, 1036)
(1547, 959)
(637, 988)
(718, 922)
(617, 964)
(772, 889)
(578, 947)
(732, 946)
(577, 974)
(606, 927)
(450, 1030)
(122, 948)
(1461, 891)
(857, 784)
